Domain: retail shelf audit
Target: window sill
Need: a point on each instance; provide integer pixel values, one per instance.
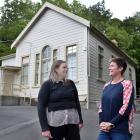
(101, 80)
(24, 87)
(37, 86)
(76, 81)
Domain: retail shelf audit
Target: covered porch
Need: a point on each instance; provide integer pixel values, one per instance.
(10, 87)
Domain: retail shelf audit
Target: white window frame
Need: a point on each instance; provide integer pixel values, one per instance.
(39, 63)
(43, 60)
(23, 65)
(76, 79)
(55, 57)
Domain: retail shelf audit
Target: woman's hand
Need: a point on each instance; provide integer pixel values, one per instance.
(106, 126)
(47, 134)
(81, 125)
(103, 127)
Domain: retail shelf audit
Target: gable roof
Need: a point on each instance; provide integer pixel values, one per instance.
(75, 18)
(110, 43)
(39, 14)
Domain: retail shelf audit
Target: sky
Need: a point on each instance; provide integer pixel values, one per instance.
(119, 8)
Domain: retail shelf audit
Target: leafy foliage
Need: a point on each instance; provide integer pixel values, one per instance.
(15, 14)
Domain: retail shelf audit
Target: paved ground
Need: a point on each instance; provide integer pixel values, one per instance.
(21, 123)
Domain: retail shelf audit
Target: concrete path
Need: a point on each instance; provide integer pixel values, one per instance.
(21, 123)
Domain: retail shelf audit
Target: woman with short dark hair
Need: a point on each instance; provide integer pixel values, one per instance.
(117, 104)
(59, 96)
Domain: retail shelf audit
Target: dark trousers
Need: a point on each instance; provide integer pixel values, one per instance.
(69, 132)
(114, 136)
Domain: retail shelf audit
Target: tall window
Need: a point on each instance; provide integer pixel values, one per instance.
(72, 62)
(24, 71)
(46, 63)
(37, 65)
(0, 62)
(130, 74)
(100, 62)
(55, 55)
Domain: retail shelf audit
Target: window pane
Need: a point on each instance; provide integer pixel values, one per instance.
(100, 62)
(54, 55)
(37, 65)
(24, 75)
(25, 60)
(72, 62)
(46, 63)
(71, 49)
(101, 50)
(130, 74)
(46, 52)
(100, 73)
(72, 73)
(37, 57)
(24, 72)
(45, 70)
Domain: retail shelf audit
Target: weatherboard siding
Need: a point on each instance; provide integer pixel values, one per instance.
(95, 85)
(8, 62)
(57, 31)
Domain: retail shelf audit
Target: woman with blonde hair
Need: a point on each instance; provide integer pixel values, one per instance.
(59, 96)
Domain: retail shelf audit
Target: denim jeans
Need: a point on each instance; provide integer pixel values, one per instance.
(114, 136)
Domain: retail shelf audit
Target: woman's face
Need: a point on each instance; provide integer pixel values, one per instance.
(62, 70)
(114, 69)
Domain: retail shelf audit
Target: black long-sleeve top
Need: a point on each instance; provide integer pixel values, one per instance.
(57, 96)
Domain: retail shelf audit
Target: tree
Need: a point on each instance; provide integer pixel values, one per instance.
(15, 15)
(99, 16)
(5, 50)
(79, 9)
(60, 3)
(132, 24)
(115, 22)
(15, 10)
(120, 35)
